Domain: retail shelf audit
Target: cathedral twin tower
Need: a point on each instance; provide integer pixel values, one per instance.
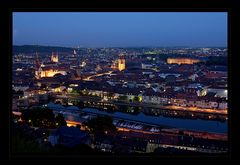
(121, 62)
(54, 58)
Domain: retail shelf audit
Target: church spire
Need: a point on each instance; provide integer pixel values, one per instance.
(54, 58)
(37, 62)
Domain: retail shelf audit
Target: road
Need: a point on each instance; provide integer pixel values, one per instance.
(204, 135)
(146, 105)
(96, 75)
(192, 133)
(195, 109)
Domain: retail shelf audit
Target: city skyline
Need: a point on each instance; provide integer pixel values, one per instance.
(113, 100)
(121, 29)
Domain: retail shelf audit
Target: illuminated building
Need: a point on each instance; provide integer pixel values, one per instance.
(182, 61)
(54, 58)
(115, 65)
(49, 71)
(43, 72)
(98, 68)
(83, 64)
(74, 52)
(121, 63)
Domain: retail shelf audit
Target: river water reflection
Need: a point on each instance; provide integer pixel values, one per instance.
(190, 124)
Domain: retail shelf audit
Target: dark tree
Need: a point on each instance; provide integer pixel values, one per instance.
(136, 110)
(79, 104)
(136, 99)
(23, 143)
(43, 86)
(39, 117)
(122, 98)
(78, 126)
(101, 124)
(123, 108)
(60, 121)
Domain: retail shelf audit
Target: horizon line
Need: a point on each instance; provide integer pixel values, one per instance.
(78, 47)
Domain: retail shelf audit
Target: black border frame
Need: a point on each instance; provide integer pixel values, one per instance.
(116, 6)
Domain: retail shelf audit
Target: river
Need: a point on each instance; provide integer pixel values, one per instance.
(189, 124)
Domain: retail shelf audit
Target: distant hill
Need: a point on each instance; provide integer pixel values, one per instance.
(217, 60)
(37, 48)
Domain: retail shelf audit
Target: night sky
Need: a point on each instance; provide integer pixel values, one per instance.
(116, 29)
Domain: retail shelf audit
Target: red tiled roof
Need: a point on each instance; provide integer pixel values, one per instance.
(214, 75)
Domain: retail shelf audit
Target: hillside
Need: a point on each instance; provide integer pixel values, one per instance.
(37, 48)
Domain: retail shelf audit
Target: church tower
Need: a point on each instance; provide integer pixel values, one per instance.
(37, 69)
(121, 62)
(54, 58)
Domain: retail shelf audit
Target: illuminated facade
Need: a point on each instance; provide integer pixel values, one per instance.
(121, 63)
(115, 65)
(54, 58)
(182, 61)
(74, 52)
(48, 73)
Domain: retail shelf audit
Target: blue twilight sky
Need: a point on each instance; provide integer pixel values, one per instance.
(110, 29)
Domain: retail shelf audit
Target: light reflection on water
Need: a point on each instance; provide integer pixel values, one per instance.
(192, 124)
